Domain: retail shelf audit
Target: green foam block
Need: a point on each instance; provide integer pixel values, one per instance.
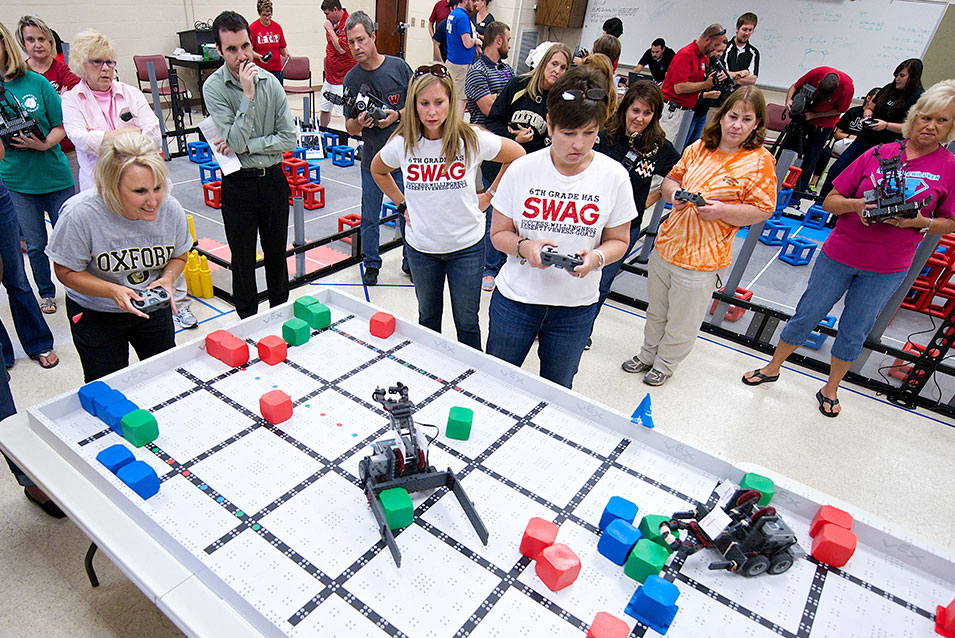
(139, 427)
(399, 511)
(650, 529)
(646, 559)
(296, 331)
(763, 485)
(459, 423)
(310, 310)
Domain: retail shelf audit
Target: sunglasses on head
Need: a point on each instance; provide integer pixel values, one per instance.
(437, 70)
(594, 95)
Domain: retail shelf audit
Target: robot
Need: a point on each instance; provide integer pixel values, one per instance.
(753, 539)
(889, 194)
(402, 461)
(14, 120)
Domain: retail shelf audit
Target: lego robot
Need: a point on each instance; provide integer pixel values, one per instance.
(888, 196)
(402, 461)
(14, 120)
(751, 539)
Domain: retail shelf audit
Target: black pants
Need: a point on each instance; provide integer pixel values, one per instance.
(814, 141)
(251, 206)
(102, 339)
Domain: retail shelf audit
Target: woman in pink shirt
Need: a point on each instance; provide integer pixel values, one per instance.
(100, 106)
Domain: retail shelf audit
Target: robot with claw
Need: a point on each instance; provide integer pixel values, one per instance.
(402, 462)
(751, 539)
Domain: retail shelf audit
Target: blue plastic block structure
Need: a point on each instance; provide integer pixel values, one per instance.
(343, 155)
(618, 508)
(104, 400)
(617, 541)
(815, 217)
(115, 413)
(653, 603)
(329, 140)
(389, 208)
(88, 393)
(816, 339)
(775, 233)
(298, 152)
(115, 457)
(199, 152)
(798, 251)
(782, 199)
(208, 172)
(140, 477)
(314, 172)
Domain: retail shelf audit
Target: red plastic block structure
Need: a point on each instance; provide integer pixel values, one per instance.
(382, 325)
(945, 620)
(828, 514)
(313, 195)
(227, 348)
(733, 313)
(538, 535)
(558, 566)
(351, 220)
(296, 171)
(833, 545)
(276, 406)
(272, 349)
(212, 194)
(608, 626)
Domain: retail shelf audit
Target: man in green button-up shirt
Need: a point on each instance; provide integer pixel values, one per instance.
(251, 112)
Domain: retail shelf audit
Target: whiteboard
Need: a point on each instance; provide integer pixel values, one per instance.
(864, 38)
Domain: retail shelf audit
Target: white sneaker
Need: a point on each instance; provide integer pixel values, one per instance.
(185, 318)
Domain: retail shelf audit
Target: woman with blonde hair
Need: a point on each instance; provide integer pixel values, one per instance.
(439, 155)
(520, 110)
(37, 41)
(35, 170)
(115, 242)
(736, 177)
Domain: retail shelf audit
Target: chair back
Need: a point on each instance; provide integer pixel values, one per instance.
(774, 117)
(298, 68)
(142, 71)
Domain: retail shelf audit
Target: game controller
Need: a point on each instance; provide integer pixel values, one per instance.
(869, 122)
(550, 257)
(153, 299)
(686, 196)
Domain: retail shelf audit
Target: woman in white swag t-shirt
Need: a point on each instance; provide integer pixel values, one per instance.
(439, 155)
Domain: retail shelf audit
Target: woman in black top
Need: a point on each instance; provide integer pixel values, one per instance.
(635, 139)
(481, 17)
(884, 121)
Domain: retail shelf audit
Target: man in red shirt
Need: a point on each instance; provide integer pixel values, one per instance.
(832, 98)
(440, 12)
(686, 78)
(268, 37)
(338, 58)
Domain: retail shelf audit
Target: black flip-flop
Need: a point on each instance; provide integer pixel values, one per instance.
(51, 508)
(825, 402)
(44, 359)
(758, 377)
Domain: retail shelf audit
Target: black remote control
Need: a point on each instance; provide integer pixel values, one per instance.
(153, 299)
(550, 257)
(686, 196)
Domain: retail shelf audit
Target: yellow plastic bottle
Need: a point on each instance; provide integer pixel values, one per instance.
(205, 277)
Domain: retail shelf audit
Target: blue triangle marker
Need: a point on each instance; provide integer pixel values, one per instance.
(643, 415)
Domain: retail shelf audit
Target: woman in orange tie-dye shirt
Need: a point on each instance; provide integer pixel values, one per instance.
(736, 177)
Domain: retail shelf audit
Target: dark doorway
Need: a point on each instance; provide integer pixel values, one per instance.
(389, 14)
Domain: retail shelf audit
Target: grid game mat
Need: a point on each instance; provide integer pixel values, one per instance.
(273, 519)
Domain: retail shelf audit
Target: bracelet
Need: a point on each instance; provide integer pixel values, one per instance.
(924, 230)
(601, 257)
(517, 251)
(490, 190)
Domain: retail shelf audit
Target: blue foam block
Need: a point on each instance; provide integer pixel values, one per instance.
(115, 457)
(115, 413)
(140, 477)
(653, 603)
(89, 392)
(105, 399)
(617, 541)
(618, 507)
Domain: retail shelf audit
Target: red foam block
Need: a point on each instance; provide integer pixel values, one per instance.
(829, 514)
(945, 620)
(558, 566)
(382, 325)
(833, 545)
(214, 341)
(272, 349)
(608, 626)
(276, 406)
(235, 352)
(538, 535)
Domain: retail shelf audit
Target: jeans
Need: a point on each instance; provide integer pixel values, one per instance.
(561, 332)
(696, 127)
(814, 141)
(463, 271)
(852, 152)
(7, 408)
(609, 272)
(866, 293)
(30, 209)
(34, 335)
(251, 206)
(371, 215)
(493, 258)
(279, 75)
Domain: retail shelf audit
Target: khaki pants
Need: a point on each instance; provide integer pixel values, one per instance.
(678, 299)
(670, 122)
(460, 73)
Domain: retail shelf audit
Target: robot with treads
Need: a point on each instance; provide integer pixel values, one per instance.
(751, 539)
(402, 461)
